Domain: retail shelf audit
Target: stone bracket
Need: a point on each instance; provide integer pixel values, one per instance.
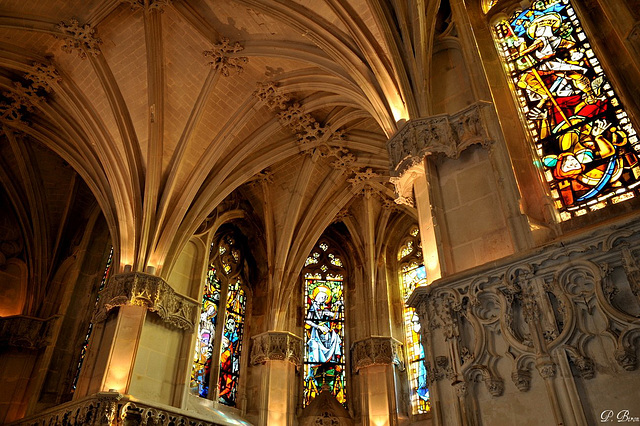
(276, 345)
(152, 292)
(26, 332)
(375, 350)
(448, 134)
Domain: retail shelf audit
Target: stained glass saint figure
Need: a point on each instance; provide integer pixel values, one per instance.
(324, 325)
(587, 146)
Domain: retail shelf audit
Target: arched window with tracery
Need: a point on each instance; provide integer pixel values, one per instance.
(412, 275)
(218, 348)
(585, 143)
(324, 363)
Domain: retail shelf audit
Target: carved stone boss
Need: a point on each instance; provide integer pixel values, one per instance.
(152, 292)
(276, 345)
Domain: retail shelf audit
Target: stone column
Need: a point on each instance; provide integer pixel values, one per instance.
(373, 361)
(114, 344)
(278, 354)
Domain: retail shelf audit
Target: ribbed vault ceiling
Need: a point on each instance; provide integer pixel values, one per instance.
(166, 107)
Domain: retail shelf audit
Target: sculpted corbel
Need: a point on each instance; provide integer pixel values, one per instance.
(151, 292)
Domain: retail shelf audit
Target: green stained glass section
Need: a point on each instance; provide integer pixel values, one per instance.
(586, 144)
(324, 337)
(201, 370)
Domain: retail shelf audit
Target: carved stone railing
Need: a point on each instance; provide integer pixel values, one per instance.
(26, 332)
(276, 345)
(448, 134)
(547, 307)
(115, 409)
(152, 292)
(376, 350)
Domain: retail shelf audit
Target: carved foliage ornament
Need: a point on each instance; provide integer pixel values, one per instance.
(150, 291)
(24, 98)
(79, 38)
(375, 351)
(148, 5)
(276, 345)
(224, 57)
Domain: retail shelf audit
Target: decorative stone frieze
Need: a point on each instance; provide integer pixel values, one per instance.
(278, 346)
(445, 134)
(108, 409)
(26, 332)
(375, 350)
(152, 292)
(224, 57)
(79, 38)
(541, 307)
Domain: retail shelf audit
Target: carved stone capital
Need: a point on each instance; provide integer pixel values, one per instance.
(375, 350)
(522, 379)
(152, 292)
(79, 38)
(547, 369)
(460, 388)
(26, 332)
(224, 57)
(626, 358)
(439, 134)
(276, 346)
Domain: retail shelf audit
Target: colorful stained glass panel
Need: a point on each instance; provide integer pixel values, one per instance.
(232, 345)
(324, 337)
(201, 371)
(587, 146)
(412, 276)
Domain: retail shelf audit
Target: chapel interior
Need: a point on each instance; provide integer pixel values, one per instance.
(319, 212)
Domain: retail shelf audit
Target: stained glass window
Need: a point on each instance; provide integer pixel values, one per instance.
(221, 346)
(324, 363)
(85, 344)
(587, 146)
(412, 275)
(231, 345)
(201, 371)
